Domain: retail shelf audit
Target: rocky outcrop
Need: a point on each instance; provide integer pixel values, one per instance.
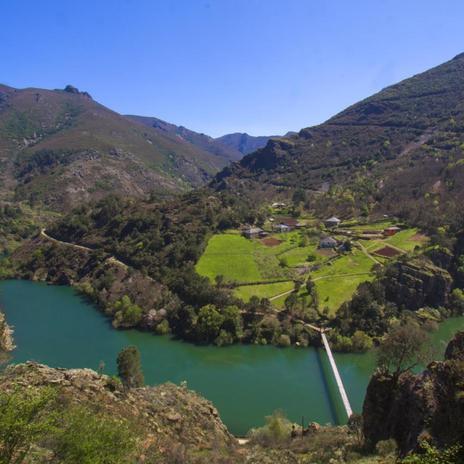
(414, 407)
(6, 335)
(418, 283)
(170, 419)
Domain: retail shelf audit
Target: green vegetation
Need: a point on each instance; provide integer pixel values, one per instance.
(126, 313)
(130, 367)
(32, 421)
(245, 292)
(333, 291)
(230, 256)
(429, 454)
(403, 348)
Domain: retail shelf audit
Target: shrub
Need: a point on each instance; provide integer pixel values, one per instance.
(386, 447)
(275, 432)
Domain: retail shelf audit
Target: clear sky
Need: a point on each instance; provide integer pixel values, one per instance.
(219, 66)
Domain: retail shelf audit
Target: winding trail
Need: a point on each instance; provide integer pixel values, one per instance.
(366, 252)
(111, 259)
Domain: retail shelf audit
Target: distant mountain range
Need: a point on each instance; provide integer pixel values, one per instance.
(61, 147)
(230, 146)
(400, 150)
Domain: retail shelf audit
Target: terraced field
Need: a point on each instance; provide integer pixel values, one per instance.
(272, 264)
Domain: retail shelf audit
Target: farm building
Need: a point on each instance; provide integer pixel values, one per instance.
(281, 228)
(332, 222)
(250, 232)
(288, 221)
(389, 231)
(328, 242)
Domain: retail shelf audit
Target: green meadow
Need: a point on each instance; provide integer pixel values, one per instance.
(231, 256)
(241, 261)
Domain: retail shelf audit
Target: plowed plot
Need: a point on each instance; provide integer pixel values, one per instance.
(387, 252)
(271, 242)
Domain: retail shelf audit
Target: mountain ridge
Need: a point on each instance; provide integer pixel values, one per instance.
(401, 144)
(61, 147)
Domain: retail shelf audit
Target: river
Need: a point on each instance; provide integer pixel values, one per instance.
(55, 326)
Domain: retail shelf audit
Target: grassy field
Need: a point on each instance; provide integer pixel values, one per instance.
(372, 226)
(333, 291)
(333, 285)
(241, 260)
(231, 256)
(405, 240)
(262, 291)
(352, 263)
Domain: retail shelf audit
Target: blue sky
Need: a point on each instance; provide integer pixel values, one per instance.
(219, 66)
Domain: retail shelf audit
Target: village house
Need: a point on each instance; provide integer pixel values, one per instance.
(281, 228)
(328, 242)
(389, 231)
(251, 232)
(291, 223)
(332, 222)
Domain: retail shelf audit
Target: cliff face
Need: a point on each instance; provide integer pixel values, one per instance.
(417, 284)
(428, 405)
(173, 422)
(6, 335)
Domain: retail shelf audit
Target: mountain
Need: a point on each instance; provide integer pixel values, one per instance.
(202, 141)
(61, 147)
(399, 151)
(243, 142)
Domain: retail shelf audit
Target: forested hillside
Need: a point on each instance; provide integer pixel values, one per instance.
(399, 151)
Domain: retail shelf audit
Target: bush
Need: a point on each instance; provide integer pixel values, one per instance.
(163, 327)
(127, 314)
(284, 340)
(84, 437)
(275, 432)
(386, 447)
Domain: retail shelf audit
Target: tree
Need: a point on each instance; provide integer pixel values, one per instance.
(403, 348)
(310, 286)
(299, 196)
(361, 341)
(219, 280)
(24, 419)
(291, 301)
(129, 367)
(127, 314)
(209, 323)
(232, 323)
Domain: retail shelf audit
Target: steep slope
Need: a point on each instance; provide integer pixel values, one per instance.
(398, 149)
(202, 141)
(62, 147)
(172, 424)
(243, 142)
(415, 407)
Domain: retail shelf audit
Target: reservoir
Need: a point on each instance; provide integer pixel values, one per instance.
(55, 326)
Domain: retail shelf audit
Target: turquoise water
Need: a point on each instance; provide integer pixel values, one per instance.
(53, 325)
